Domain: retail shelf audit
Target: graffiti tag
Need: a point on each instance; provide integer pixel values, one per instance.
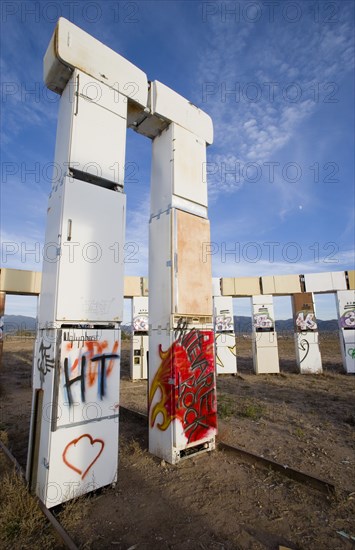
(186, 380)
(140, 323)
(85, 453)
(45, 361)
(263, 321)
(304, 346)
(223, 323)
(306, 323)
(347, 320)
(232, 350)
(92, 365)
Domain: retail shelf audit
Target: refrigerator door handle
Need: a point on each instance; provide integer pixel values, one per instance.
(70, 222)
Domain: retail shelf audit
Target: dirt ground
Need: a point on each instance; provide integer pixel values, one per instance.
(218, 501)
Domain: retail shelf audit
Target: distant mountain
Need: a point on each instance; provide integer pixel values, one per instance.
(243, 324)
(15, 323)
(328, 326)
(127, 328)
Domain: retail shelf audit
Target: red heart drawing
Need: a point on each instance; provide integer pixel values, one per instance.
(74, 442)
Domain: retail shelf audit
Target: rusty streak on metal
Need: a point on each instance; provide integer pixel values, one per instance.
(60, 531)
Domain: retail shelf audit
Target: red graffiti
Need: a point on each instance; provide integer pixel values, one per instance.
(82, 472)
(186, 380)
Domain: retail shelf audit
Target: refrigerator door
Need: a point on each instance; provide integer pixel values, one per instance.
(90, 282)
(223, 313)
(265, 352)
(193, 370)
(139, 356)
(89, 376)
(140, 314)
(99, 129)
(182, 391)
(308, 353)
(265, 339)
(189, 166)
(348, 350)
(83, 458)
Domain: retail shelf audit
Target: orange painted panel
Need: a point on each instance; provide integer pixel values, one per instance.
(192, 293)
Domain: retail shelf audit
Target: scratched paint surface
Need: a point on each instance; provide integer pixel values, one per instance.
(89, 376)
(183, 388)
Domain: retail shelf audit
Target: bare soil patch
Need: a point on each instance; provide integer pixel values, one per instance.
(216, 500)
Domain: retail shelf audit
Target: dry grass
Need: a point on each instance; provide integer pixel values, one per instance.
(22, 524)
(226, 407)
(252, 410)
(72, 516)
(4, 438)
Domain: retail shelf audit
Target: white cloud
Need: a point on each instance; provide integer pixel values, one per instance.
(282, 92)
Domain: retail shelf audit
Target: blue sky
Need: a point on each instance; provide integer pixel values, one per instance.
(277, 79)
